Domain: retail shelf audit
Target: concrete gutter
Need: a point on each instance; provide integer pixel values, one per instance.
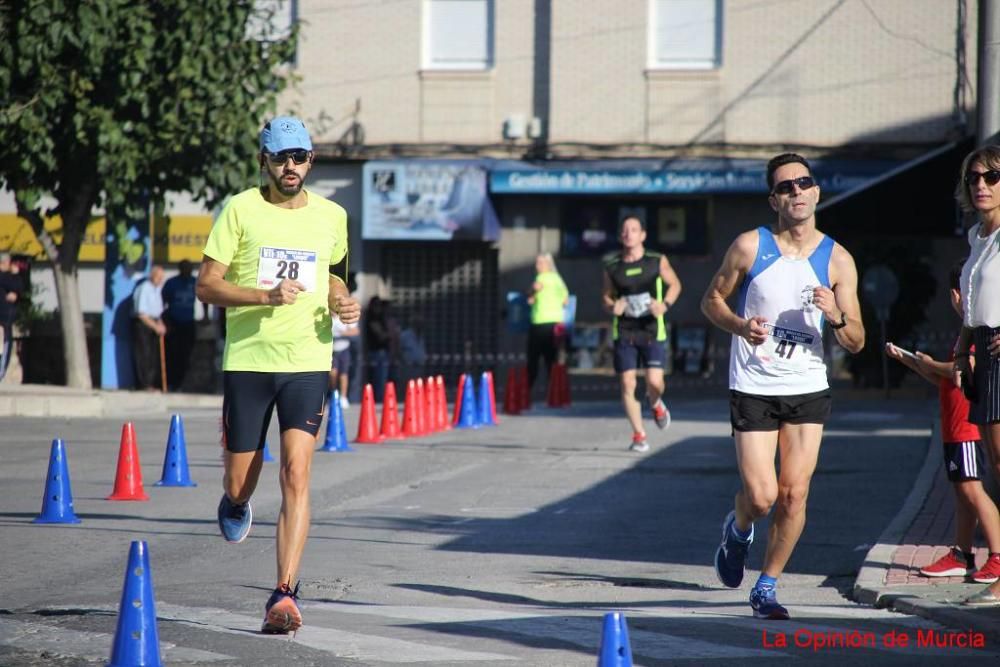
(27, 400)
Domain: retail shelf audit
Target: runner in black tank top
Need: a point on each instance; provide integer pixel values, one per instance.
(639, 287)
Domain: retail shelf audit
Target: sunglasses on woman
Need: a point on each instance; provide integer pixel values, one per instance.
(788, 187)
(299, 156)
(992, 177)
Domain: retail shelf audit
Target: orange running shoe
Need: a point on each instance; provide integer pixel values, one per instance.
(281, 613)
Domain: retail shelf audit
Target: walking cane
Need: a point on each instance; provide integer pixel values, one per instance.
(163, 366)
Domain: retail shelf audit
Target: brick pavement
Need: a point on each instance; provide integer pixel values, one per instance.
(929, 537)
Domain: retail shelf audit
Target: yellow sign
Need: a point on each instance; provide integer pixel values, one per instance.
(183, 238)
(17, 237)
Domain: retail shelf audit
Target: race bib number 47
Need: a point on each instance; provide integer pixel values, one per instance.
(277, 264)
(785, 347)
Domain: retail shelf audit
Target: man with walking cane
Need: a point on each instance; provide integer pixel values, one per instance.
(148, 330)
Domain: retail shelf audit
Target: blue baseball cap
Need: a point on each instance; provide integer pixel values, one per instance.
(284, 133)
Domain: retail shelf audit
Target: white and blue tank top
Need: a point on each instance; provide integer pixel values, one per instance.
(780, 289)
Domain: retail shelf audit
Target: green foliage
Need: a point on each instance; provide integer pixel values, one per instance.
(29, 313)
(108, 103)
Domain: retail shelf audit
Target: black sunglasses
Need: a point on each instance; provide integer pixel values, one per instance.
(299, 156)
(788, 187)
(992, 177)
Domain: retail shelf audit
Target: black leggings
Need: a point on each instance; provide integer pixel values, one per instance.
(542, 342)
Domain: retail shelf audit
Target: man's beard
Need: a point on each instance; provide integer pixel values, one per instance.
(286, 190)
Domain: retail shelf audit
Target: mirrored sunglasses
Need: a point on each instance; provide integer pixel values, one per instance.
(788, 187)
(299, 156)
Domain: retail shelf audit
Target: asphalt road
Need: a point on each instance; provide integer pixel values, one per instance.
(498, 546)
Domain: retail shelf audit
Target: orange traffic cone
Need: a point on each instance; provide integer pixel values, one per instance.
(511, 400)
(442, 405)
(421, 407)
(411, 429)
(552, 393)
(430, 405)
(492, 397)
(558, 393)
(368, 424)
(390, 414)
(128, 480)
(457, 411)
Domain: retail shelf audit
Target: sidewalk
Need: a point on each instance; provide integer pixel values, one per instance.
(922, 532)
(42, 400)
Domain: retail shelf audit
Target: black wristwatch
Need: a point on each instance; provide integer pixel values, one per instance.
(842, 323)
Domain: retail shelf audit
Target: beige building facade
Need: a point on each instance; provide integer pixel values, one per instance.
(867, 88)
(819, 73)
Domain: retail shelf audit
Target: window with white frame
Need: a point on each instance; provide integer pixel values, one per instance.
(458, 34)
(685, 34)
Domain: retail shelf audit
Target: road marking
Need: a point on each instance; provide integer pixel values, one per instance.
(584, 631)
(97, 646)
(340, 643)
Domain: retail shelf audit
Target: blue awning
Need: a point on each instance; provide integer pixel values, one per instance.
(671, 176)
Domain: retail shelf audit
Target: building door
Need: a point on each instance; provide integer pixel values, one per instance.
(448, 294)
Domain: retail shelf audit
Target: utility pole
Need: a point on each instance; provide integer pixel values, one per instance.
(988, 80)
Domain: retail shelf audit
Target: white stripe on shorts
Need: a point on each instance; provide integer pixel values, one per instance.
(969, 458)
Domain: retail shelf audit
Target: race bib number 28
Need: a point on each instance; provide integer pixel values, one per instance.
(277, 264)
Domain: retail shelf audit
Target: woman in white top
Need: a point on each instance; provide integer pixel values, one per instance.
(978, 192)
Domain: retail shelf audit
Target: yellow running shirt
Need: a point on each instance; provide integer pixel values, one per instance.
(261, 244)
(550, 300)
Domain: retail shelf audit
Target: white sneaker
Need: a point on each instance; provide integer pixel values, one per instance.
(639, 444)
(344, 403)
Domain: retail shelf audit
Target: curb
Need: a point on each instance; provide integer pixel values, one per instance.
(28, 400)
(870, 588)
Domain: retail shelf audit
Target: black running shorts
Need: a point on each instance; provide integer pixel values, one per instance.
(752, 412)
(638, 349)
(249, 399)
(963, 461)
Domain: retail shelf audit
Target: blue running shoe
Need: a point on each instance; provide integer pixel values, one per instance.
(234, 520)
(281, 613)
(731, 556)
(765, 604)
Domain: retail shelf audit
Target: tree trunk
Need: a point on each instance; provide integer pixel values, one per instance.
(73, 330)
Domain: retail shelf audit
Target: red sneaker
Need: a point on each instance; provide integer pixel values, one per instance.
(955, 563)
(989, 572)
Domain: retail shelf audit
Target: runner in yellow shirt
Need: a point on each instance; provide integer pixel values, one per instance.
(276, 259)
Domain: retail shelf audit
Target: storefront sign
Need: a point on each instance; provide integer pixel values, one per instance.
(706, 176)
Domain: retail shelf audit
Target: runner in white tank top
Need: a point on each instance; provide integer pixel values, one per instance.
(785, 281)
(780, 289)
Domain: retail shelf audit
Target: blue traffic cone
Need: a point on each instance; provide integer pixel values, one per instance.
(485, 400)
(137, 641)
(57, 505)
(175, 461)
(267, 453)
(336, 431)
(467, 417)
(615, 649)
